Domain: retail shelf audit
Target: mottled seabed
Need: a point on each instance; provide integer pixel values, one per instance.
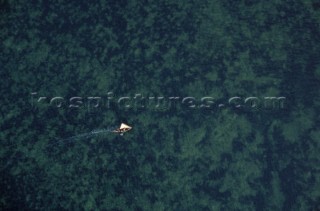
(178, 157)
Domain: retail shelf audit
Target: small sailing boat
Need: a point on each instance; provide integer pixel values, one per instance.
(122, 129)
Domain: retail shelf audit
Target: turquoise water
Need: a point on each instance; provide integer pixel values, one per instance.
(190, 77)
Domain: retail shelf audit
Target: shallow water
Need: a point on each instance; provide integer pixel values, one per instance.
(191, 78)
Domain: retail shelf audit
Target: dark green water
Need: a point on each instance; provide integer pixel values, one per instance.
(85, 56)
